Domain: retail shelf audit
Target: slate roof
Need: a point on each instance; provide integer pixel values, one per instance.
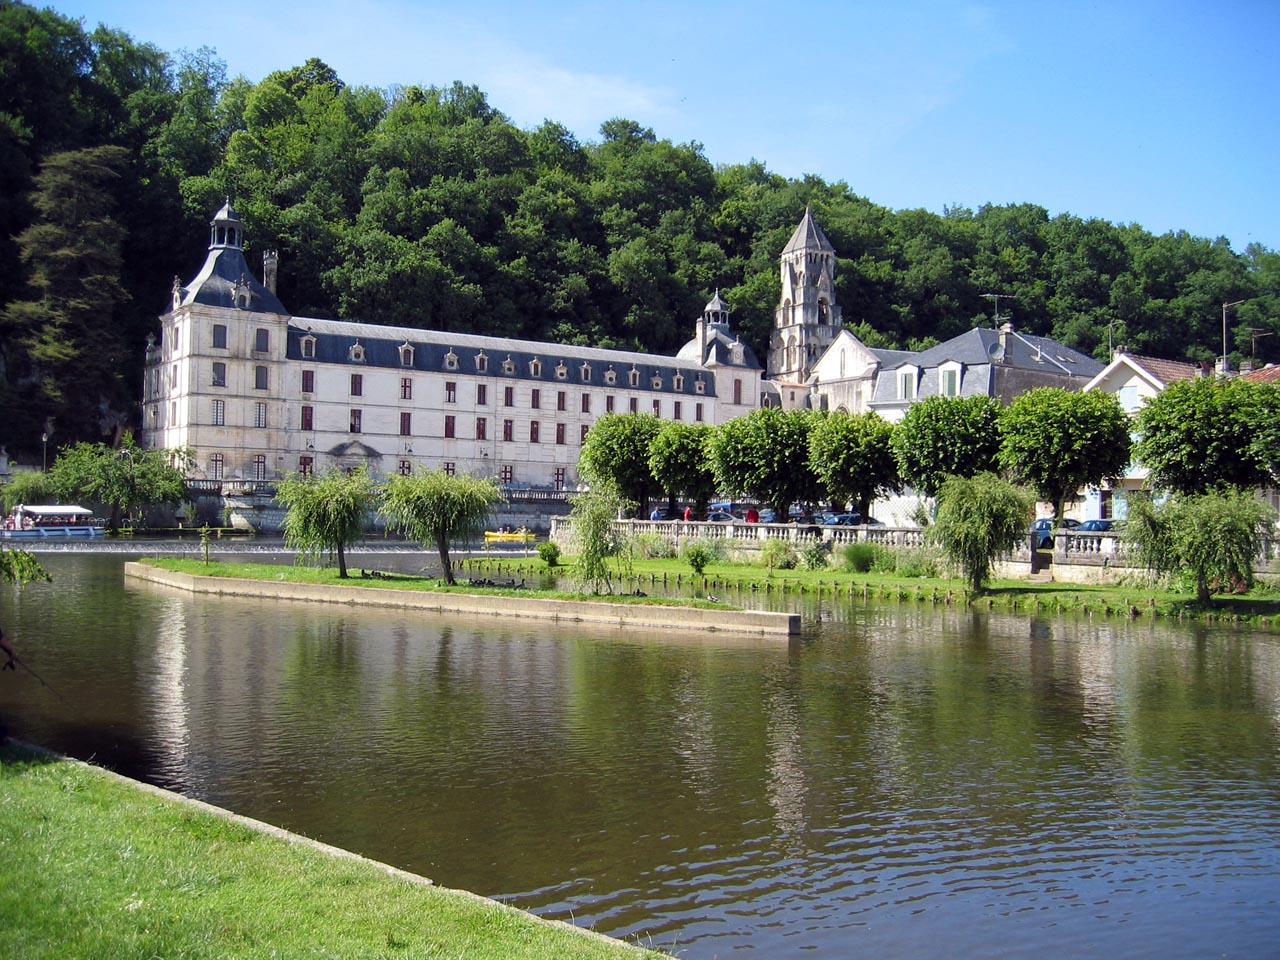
(808, 234)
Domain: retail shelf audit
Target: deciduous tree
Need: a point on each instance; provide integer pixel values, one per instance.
(125, 478)
(765, 455)
(679, 463)
(326, 514)
(979, 519)
(615, 455)
(851, 455)
(436, 507)
(942, 437)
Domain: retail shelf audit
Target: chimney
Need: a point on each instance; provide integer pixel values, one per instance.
(270, 261)
(1006, 335)
(1246, 366)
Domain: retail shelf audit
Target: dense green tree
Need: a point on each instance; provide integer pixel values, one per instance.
(31, 486)
(941, 437)
(680, 465)
(596, 538)
(765, 455)
(1211, 538)
(126, 478)
(980, 518)
(615, 456)
(1058, 442)
(1204, 432)
(436, 507)
(327, 513)
(852, 457)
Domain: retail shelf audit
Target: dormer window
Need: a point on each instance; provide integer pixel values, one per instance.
(585, 372)
(482, 363)
(508, 366)
(610, 377)
(451, 360)
(907, 384)
(677, 382)
(949, 380)
(634, 377)
(356, 352)
(562, 372)
(308, 346)
(535, 367)
(699, 386)
(656, 382)
(406, 354)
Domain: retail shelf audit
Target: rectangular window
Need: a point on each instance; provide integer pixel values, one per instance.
(219, 413)
(306, 465)
(561, 400)
(450, 468)
(534, 431)
(560, 433)
(508, 396)
(657, 408)
(482, 394)
(406, 423)
(260, 467)
(259, 414)
(559, 478)
(356, 419)
(950, 383)
(907, 385)
(215, 467)
(308, 381)
(219, 374)
(508, 430)
(482, 428)
(737, 391)
(586, 403)
(406, 467)
(261, 340)
(535, 399)
(308, 347)
(608, 404)
(450, 392)
(308, 418)
(450, 426)
(586, 428)
(220, 336)
(697, 412)
(676, 410)
(633, 405)
(357, 384)
(406, 388)
(1129, 398)
(507, 474)
(259, 378)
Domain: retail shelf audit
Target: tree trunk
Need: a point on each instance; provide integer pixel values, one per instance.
(442, 545)
(342, 563)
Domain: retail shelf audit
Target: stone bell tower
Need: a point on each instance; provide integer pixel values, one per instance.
(807, 318)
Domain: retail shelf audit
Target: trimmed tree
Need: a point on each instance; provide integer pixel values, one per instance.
(615, 455)
(1211, 538)
(765, 455)
(1058, 442)
(942, 437)
(595, 537)
(326, 514)
(434, 507)
(979, 519)
(852, 457)
(1204, 432)
(678, 461)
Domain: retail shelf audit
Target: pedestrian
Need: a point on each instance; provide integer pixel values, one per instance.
(688, 514)
(753, 515)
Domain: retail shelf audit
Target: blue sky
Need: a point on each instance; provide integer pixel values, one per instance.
(1157, 113)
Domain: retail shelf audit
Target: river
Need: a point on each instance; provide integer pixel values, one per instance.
(902, 780)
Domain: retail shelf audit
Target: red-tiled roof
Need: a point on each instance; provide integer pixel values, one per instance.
(1166, 371)
(1268, 374)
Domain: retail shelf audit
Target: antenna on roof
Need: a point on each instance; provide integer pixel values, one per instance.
(1256, 334)
(995, 298)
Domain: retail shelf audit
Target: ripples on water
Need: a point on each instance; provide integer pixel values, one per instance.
(902, 781)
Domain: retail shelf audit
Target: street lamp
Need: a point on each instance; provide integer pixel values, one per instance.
(1233, 303)
(44, 453)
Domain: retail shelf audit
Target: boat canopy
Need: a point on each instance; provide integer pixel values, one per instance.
(52, 511)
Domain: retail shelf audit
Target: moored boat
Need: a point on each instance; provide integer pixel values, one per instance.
(508, 536)
(49, 520)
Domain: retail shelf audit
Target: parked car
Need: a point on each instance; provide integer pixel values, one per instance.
(1042, 531)
(843, 519)
(721, 516)
(767, 515)
(1096, 526)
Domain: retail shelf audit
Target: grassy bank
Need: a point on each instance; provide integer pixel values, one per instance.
(93, 866)
(730, 580)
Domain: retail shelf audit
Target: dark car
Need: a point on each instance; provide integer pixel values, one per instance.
(1096, 526)
(1042, 531)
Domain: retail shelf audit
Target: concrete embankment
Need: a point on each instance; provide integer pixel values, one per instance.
(755, 622)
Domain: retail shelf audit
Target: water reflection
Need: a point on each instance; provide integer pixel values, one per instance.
(902, 780)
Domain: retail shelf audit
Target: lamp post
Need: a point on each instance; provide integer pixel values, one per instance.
(44, 453)
(1233, 303)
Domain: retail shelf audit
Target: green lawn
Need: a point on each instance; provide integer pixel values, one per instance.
(93, 867)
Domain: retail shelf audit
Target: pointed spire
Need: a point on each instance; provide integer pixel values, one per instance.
(808, 236)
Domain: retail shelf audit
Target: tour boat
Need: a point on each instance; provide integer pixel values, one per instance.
(31, 523)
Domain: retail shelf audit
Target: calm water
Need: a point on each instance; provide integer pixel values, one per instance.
(901, 781)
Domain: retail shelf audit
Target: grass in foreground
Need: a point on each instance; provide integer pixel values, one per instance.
(93, 867)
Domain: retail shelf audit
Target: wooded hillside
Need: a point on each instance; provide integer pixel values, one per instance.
(426, 207)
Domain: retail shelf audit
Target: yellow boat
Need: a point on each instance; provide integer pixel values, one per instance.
(511, 536)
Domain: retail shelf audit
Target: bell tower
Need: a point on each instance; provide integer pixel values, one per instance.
(807, 319)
